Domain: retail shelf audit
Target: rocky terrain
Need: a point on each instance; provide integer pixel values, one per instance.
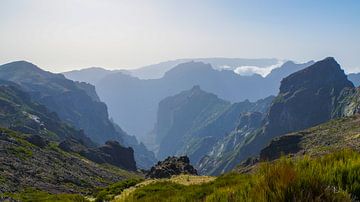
(26, 164)
(109, 153)
(325, 138)
(171, 166)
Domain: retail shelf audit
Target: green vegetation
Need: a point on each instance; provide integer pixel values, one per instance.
(108, 193)
(31, 195)
(333, 177)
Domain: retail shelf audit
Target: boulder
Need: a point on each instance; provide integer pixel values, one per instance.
(171, 166)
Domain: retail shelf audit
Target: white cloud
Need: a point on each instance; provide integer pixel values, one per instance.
(250, 70)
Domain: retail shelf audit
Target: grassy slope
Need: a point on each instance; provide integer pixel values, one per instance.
(49, 170)
(329, 171)
(333, 177)
(185, 180)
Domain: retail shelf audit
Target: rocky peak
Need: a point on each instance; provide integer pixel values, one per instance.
(172, 166)
(307, 97)
(322, 73)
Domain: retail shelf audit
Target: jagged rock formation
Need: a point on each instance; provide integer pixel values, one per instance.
(307, 98)
(171, 166)
(111, 153)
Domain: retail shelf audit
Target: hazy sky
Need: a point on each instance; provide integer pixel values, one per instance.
(60, 35)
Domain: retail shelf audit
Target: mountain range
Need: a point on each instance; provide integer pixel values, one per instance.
(133, 102)
(56, 135)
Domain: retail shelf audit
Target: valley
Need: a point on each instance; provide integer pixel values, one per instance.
(206, 148)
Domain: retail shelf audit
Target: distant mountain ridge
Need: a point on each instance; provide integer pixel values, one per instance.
(133, 102)
(155, 71)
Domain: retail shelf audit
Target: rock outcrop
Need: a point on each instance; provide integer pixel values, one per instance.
(171, 166)
(111, 153)
(307, 98)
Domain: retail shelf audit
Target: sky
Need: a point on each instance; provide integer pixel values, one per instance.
(61, 35)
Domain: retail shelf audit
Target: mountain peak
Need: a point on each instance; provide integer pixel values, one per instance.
(322, 73)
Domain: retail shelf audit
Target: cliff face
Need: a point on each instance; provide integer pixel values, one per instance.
(307, 98)
(180, 115)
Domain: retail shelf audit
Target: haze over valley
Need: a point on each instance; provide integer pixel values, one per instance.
(179, 101)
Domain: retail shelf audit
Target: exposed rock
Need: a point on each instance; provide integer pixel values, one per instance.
(112, 153)
(49, 169)
(307, 98)
(172, 166)
(118, 155)
(37, 140)
(284, 145)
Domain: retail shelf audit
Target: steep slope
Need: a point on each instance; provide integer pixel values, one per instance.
(180, 115)
(18, 112)
(135, 102)
(331, 136)
(197, 124)
(25, 165)
(64, 97)
(76, 103)
(307, 98)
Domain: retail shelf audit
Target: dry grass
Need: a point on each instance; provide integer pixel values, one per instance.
(179, 179)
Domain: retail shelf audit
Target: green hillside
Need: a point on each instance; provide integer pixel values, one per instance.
(325, 167)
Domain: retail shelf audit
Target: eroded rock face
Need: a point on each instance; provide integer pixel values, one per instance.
(37, 140)
(284, 145)
(171, 166)
(307, 98)
(112, 153)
